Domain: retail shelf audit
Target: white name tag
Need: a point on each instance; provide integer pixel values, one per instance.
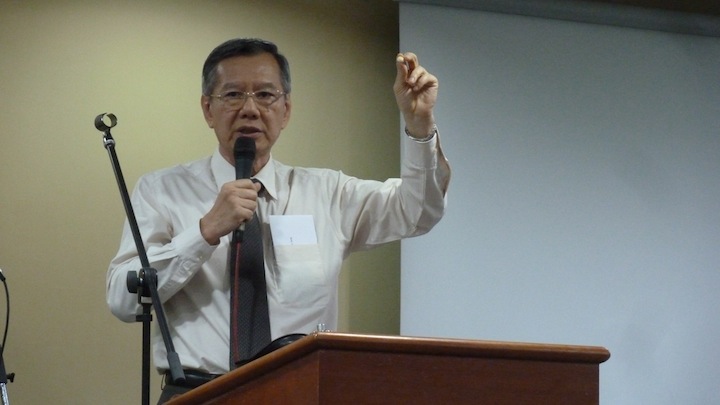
(292, 230)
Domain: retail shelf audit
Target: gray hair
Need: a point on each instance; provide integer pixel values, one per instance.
(242, 47)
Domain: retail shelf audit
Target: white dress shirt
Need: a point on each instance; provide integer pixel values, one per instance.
(348, 214)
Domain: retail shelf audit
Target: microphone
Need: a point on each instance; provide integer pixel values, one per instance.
(244, 156)
(244, 152)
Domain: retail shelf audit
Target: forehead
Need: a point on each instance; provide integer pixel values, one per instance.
(243, 71)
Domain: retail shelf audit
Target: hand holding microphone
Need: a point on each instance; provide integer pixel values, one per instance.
(237, 200)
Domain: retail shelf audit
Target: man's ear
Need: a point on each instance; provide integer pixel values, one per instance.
(207, 113)
(288, 109)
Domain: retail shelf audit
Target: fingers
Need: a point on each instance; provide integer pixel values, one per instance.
(406, 63)
(241, 195)
(236, 202)
(411, 74)
(402, 71)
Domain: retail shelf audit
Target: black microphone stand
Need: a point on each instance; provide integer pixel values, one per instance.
(4, 376)
(144, 282)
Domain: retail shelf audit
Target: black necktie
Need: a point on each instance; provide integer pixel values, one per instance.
(249, 320)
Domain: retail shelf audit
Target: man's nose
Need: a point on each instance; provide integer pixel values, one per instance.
(250, 106)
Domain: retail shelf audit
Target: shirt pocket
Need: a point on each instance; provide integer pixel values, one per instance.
(300, 276)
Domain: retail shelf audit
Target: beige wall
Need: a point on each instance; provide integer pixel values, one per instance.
(64, 62)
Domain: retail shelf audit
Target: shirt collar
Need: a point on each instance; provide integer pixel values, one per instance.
(225, 172)
(266, 176)
(222, 171)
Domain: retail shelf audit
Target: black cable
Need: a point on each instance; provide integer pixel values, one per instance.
(7, 313)
(4, 377)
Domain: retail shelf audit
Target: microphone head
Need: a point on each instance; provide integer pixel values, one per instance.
(244, 152)
(244, 148)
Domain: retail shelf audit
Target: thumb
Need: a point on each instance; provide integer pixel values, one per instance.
(402, 69)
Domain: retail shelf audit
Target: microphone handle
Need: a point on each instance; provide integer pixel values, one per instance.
(244, 151)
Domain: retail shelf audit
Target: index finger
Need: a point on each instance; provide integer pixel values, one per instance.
(409, 59)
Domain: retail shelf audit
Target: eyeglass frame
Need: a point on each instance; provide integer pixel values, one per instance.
(244, 95)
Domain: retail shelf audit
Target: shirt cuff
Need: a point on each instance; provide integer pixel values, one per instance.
(432, 135)
(421, 154)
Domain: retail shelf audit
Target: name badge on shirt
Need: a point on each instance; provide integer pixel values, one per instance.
(288, 230)
(300, 276)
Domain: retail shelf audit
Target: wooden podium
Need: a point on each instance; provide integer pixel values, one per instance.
(339, 368)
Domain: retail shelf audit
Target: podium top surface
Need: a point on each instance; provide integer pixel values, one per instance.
(448, 348)
(454, 347)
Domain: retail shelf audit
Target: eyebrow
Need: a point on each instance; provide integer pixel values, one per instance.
(261, 86)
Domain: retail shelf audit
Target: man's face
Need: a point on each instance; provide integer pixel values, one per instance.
(259, 74)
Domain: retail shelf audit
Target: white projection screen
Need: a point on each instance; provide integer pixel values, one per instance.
(584, 206)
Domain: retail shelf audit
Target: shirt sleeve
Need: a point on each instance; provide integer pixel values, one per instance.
(375, 213)
(176, 257)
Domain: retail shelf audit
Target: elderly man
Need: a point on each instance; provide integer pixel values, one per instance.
(188, 213)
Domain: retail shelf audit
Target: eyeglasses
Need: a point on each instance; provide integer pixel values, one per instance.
(236, 99)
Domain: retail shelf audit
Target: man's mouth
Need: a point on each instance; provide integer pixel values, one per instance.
(248, 131)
